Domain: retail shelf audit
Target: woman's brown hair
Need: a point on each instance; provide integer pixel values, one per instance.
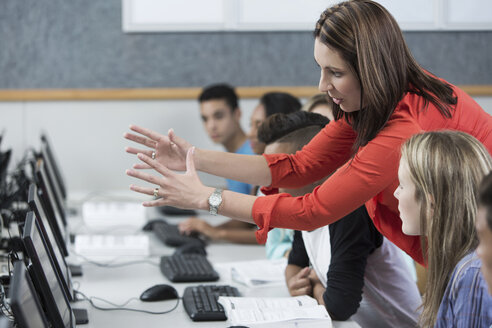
(371, 42)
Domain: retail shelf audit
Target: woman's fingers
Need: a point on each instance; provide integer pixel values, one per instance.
(142, 190)
(145, 176)
(141, 166)
(141, 140)
(136, 151)
(154, 164)
(190, 160)
(146, 132)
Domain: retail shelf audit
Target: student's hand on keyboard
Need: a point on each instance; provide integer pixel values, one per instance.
(198, 225)
(300, 284)
(169, 150)
(176, 189)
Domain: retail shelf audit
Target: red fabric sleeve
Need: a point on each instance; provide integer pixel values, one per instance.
(324, 154)
(371, 174)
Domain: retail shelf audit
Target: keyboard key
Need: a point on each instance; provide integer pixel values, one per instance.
(201, 304)
(188, 268)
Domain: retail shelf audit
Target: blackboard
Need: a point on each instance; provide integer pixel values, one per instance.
(66, 44)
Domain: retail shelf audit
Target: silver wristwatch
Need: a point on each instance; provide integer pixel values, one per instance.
(215, 200)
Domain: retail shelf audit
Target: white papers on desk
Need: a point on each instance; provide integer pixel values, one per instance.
(100, 214)
(259, 272)
(103, 246)
(259, 311)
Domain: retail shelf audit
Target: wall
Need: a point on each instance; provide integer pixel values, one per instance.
(80, 44)
(87, 136)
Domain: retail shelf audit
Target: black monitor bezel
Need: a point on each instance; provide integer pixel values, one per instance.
(53, 169)
(38, 275)
(55, 252)
(22, 283)
(48, 200)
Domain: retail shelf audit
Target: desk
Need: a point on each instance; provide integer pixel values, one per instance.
(122, 283)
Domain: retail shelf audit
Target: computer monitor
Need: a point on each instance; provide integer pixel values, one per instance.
(24, 301)
(46, 281)
(5, 323)
(45, 192)
(54, 176)
(45, 144)
(58, 259)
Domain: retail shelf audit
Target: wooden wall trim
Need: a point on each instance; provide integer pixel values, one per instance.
(169, 93)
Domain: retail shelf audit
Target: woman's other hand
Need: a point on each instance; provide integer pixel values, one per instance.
(168, 150)
(183, 190)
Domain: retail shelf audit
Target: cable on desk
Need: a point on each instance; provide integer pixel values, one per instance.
(122, 306)
(111, 264)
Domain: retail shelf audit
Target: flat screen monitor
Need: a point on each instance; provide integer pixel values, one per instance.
(58, 259)
(24, 301)
(45, 279)
(45, 192)
(52, 163)
(5, 323)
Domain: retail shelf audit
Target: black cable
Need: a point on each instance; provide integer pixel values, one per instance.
(121, 307)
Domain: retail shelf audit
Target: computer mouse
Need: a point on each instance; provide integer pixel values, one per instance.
(160, 292)
(149, 225)
(191, 248)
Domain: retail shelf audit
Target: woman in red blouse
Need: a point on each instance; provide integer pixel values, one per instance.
(382, 97)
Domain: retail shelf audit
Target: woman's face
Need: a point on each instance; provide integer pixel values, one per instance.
(258, 116)
(337, 79)
(408, 205)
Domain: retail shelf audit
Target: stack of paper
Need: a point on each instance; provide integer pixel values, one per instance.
(262, 311)
(260, 272)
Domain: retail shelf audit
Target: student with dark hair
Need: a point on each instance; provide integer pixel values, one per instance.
(270, 103)
(381, 98)
(291, 129)
(220, 113)
(484, 229)
(347, 266)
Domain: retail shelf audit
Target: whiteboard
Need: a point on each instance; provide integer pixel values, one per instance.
(293, 15)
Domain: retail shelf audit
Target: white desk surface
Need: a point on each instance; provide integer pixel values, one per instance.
(122, 283)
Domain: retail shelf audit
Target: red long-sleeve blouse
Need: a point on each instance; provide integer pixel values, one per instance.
(369, 178)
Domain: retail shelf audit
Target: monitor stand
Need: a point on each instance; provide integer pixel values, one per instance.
(81, 316)
(76, 270)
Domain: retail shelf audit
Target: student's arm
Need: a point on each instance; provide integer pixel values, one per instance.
(232, 231)
(352, 240)
(297, 270)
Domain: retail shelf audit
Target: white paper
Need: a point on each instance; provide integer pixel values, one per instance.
(250, 310)
(259, 273)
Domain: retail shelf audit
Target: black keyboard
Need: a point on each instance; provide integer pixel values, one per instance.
(188, 268)
(201, 304)
(169, 234)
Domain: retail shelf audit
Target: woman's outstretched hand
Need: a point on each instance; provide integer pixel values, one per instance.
(168, 150)
(183, 190)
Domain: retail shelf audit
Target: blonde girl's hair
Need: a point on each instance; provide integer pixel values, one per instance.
(369, 39)
(446, 168)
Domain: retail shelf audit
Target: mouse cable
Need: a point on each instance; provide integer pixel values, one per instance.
(111, 264)
(122, 306)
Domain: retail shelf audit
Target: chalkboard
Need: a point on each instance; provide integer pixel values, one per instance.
(66, 44)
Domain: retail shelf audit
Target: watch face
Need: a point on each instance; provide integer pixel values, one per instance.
(214, 200)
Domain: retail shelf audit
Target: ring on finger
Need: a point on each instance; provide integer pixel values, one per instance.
(156, 192)
(153, 155)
